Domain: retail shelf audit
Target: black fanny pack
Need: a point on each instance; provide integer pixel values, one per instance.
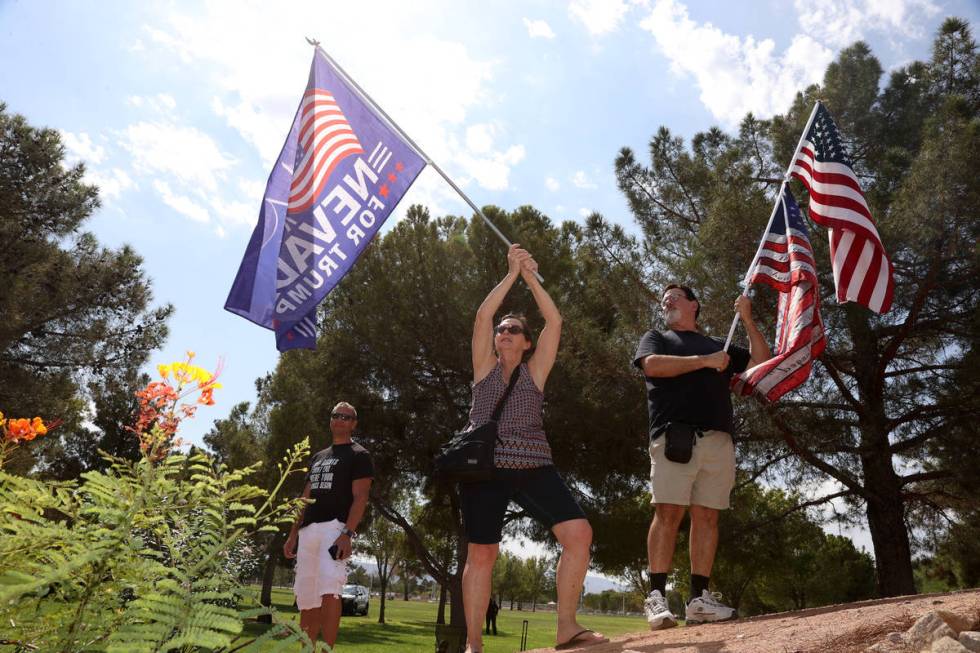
(680, 440)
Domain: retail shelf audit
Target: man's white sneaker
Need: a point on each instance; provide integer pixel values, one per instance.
(658, 614)
(708, 608)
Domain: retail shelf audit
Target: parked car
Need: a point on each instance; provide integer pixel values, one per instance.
(355, 599)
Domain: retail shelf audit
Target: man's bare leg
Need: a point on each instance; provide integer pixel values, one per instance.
(309, 622)
(330, 618)
(662, 536)
(704, 539)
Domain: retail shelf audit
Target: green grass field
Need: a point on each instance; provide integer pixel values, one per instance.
(410, 627)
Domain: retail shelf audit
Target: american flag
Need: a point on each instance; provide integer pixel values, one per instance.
(862, 271)
(786, 263)
(325, 139)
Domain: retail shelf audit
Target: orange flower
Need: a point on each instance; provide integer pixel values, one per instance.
(207, 396)
(161, 409)
(20, 429)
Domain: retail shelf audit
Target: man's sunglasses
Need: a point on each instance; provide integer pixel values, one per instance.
(512, 329)
(344, 417)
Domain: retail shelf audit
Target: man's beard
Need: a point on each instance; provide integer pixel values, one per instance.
(672, 316)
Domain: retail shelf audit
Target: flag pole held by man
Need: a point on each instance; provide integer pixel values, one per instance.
(785, 261)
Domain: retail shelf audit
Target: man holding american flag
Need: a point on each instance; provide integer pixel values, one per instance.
(687, 379)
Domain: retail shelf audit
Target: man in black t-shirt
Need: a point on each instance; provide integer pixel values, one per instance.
(687, 380)
(338, 482)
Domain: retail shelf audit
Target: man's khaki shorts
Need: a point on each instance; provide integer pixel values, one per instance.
(707, 480)
(316, 572)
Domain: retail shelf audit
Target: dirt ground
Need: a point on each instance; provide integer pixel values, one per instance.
(846, 628)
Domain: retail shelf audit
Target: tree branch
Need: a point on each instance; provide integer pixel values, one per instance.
(831, 366)
(808, 456)
(431, 565)
(918, 477)
(796, 508)
(762, 470)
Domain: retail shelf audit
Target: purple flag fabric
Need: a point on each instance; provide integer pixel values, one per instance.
(340, 173)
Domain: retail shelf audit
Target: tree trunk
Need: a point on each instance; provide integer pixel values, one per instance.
(441, 615)
(893, 555)
(457, 617)
(383, 581)
(272, 553)
(886, 521)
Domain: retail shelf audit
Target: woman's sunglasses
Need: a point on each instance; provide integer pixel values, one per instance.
(512, 329)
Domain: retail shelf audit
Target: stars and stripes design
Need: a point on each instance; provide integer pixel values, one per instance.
(862, 270)
(786, 264)
(325, 139)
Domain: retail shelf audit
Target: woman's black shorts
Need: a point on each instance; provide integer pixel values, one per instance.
(539, 491)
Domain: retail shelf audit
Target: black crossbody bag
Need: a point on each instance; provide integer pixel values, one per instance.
(680, 440)
(468, 456)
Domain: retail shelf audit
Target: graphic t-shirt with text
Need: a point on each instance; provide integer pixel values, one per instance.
(331, 475)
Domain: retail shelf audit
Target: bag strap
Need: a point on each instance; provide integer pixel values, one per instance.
(510, 386)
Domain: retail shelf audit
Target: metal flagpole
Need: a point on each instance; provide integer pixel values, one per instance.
(779, 197)
(367, 98)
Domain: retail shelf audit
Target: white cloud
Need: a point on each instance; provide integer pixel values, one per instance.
(584, 212)
(256, 91)
(430, 86)
(181, 203)
(169, 42)
(111, 184)
(265, 131)
(479, 138)
(735, 75)
(581, 180)
(538, 29)
(161, 102)
(185, 153)
(552, 184)
(252, 190)
(81, 148)
(600, 17)
(841, 22)
(492, 171)
(235, 212)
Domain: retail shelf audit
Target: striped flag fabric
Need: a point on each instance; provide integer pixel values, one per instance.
(325, 200)
(786, 264)
(325, 139)
(862, 271)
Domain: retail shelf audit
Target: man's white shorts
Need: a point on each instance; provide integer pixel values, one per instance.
(707, 480)
(316, 572)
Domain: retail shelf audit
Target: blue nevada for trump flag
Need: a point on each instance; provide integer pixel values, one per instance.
(340, 173)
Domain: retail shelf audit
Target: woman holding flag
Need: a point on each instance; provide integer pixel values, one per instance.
(524, 472)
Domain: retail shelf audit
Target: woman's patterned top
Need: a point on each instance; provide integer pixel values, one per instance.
(523, 443)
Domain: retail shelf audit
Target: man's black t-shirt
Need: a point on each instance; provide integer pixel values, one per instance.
(700, 398)
(331, 476)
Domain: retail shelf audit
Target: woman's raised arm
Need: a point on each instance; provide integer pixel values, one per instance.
(482, 343)
(547, 348)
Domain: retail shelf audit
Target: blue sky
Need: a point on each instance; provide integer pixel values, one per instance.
(180, 108)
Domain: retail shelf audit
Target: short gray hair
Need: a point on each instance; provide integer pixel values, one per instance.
(344, 404)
